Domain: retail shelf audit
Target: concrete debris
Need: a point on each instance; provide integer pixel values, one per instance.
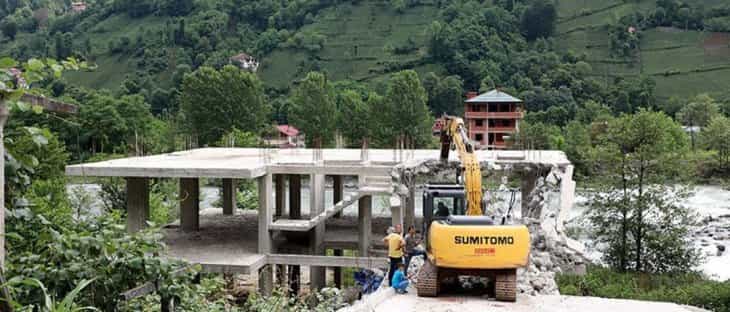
(552, 250)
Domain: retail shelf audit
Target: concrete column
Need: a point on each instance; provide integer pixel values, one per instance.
(189, 204)
(410, 208)
(529, 178)
(338, 191)
(295, 212)
(229, 196)
(295, 196)
(138, 204)
(265, 244)
(317, 277)
(364, 225)
(337, 195)
(294, 279)
(280, 194)
(337, 270)
(567, 197)
(397, 206)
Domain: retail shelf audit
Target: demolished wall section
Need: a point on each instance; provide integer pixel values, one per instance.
(551, 250)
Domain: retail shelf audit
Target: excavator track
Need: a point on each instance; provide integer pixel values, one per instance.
(428, 282)
(505, 285)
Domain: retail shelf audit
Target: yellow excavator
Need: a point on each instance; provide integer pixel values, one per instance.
(460, 238)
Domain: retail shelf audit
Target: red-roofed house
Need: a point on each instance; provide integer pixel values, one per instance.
(287, 137)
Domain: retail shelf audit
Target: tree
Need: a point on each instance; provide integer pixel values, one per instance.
(404, 114)
(716, 136)
(639, 219)
(214, 102)
(355, 118)
(444, 95)
(9, 28)
(313, 109)
(538, 20)
(698, 113)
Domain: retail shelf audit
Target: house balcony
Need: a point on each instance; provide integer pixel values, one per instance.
(502, 129)
(484, 129)
(494, 115)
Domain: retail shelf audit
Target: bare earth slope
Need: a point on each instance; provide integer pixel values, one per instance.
(410, 302)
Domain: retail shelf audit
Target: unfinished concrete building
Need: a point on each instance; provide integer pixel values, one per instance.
(280, 236)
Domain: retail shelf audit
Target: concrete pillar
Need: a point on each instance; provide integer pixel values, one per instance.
(338, 191)
(229, 196)
(364, 225)
(317, 277)
(337, 195)
(337, 270)
(295, 212)
(397, 206)
(295, 196)
(138, 204)
(410, 208)
(265, 243)
(294, 279)
(280, 194)
(189, 204)
(567, 197)
(529, 178)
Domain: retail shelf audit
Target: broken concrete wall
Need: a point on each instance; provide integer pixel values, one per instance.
(551, 250)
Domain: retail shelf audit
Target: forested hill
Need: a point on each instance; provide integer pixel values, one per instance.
(363, 40)
(555, 54)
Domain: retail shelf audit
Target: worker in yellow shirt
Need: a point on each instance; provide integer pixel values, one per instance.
(395, 244)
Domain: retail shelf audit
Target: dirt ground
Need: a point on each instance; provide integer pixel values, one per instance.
(411, 302)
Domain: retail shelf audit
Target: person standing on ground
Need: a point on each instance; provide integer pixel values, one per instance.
(395, 244)
(400, 281)
(412, 240)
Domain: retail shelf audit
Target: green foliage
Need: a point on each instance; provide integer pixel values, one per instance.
(50, 304)
(238, 138)
(403, 113)
(638, 218)
(536, 136)
(698, 113)
(689, 289)
(98, 248)
(9, 28)
(214, 102)
(445, 96)
(538, 20)
(313, 109)
(716, 136)
(356, 118)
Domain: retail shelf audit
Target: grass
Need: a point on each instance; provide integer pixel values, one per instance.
(356, 46)
(690, 289)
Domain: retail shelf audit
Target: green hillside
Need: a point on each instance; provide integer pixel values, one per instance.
(682, 62)
(359, 43)
(367, 40)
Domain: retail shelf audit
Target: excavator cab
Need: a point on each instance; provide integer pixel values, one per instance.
(440, 201)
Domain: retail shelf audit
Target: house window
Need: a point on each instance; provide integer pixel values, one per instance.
(480, 122)
(478, 137)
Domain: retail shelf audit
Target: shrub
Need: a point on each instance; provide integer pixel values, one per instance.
(689, 288)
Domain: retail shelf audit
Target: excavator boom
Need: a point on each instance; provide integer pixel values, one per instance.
(454, 133)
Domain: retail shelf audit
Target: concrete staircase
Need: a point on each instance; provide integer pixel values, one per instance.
(373, 185)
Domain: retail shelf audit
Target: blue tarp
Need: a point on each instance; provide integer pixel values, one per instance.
(368, 280)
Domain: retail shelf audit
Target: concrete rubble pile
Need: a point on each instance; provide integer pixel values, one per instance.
(552, 250)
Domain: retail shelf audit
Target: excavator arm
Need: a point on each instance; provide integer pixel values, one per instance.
(454, 132)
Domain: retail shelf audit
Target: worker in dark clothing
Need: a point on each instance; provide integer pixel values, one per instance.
(442, 210)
